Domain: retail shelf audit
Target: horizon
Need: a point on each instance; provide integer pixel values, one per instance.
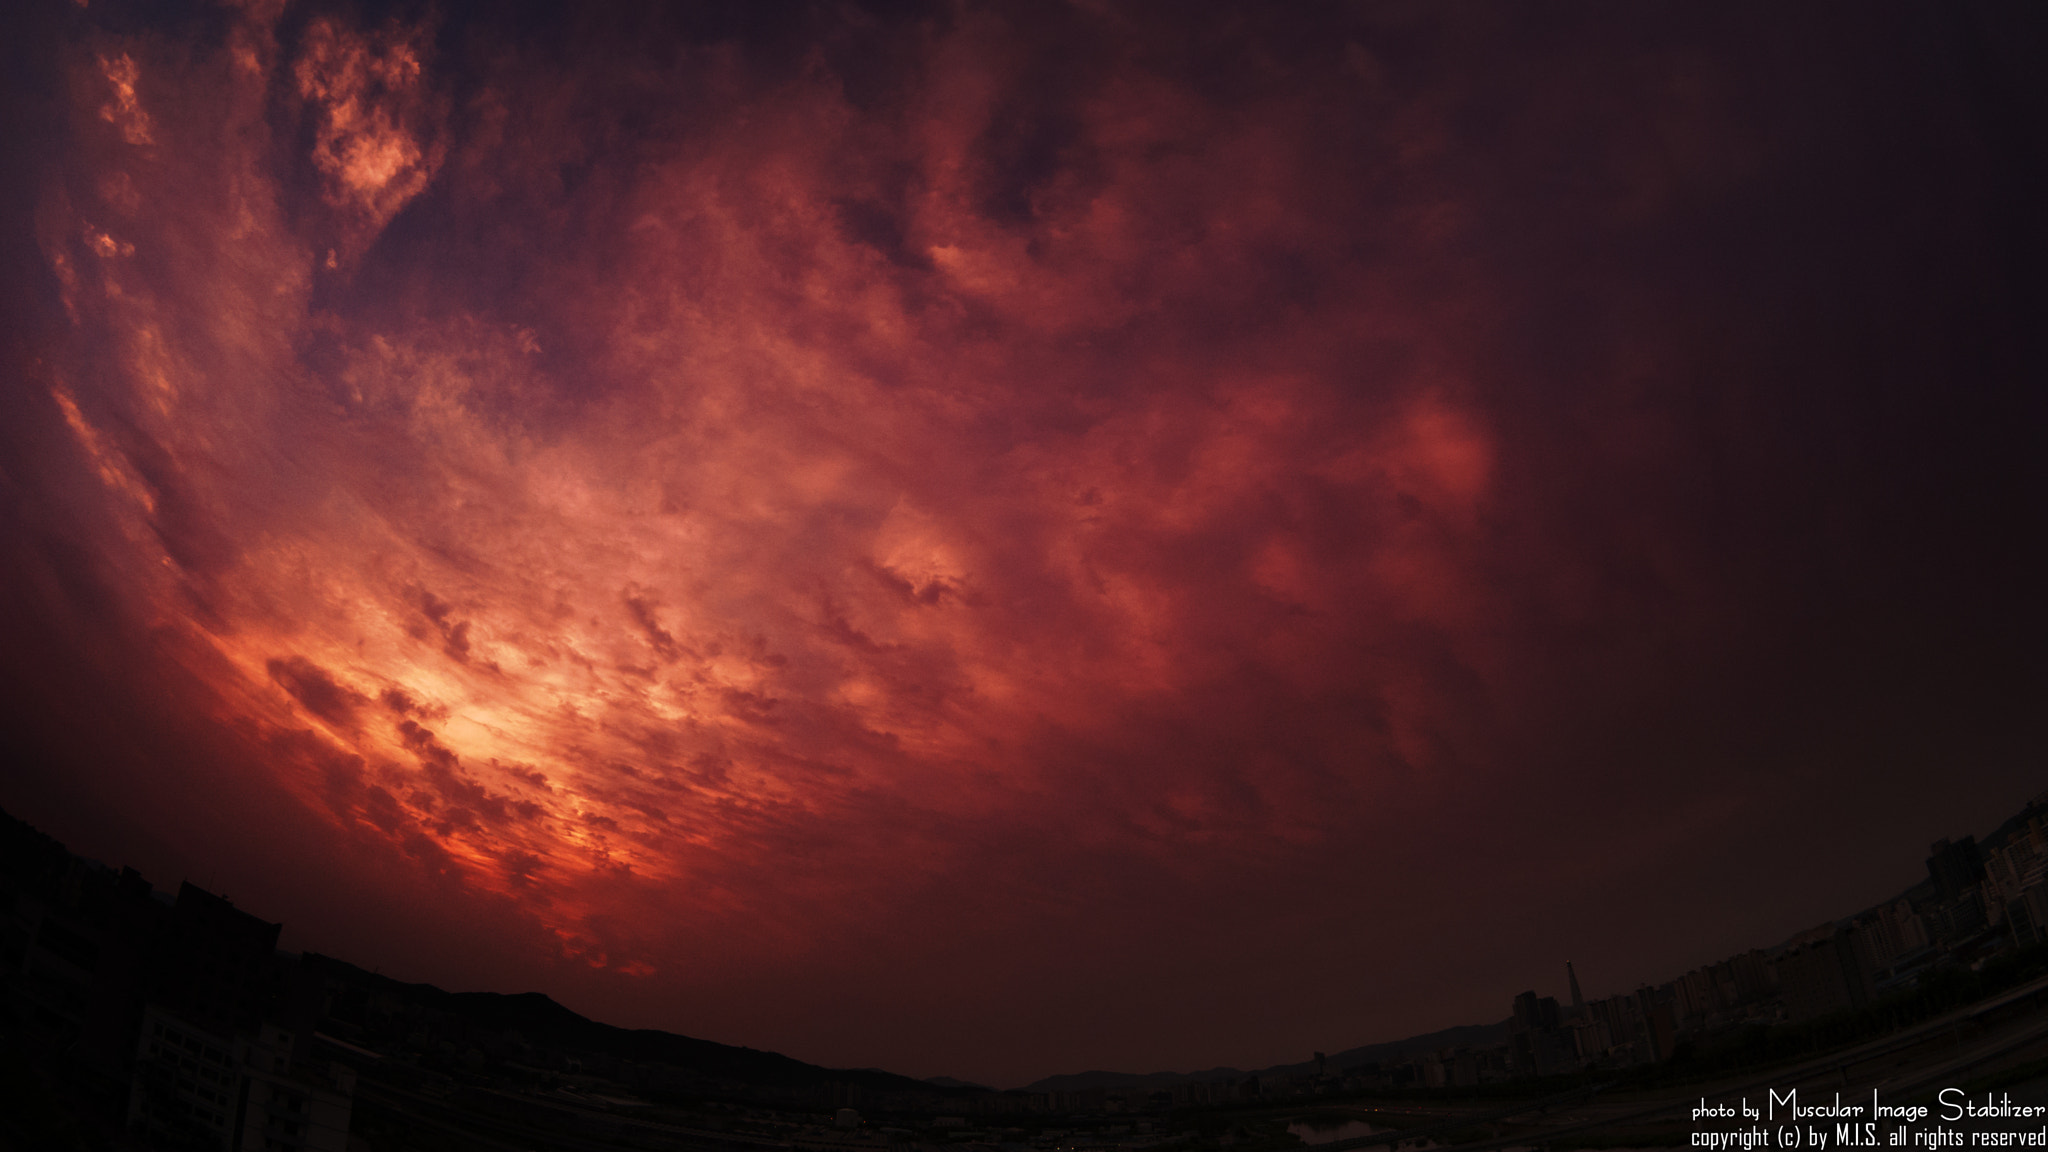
(167, 896)
(971, 539)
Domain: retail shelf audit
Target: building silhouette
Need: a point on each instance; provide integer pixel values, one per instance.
(179, 1013)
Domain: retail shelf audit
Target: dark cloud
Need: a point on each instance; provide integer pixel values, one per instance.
(312, 686)
(642, 610)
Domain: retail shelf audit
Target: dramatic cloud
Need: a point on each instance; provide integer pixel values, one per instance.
(1015, 531)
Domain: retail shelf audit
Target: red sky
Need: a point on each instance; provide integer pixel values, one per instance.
(996, 540)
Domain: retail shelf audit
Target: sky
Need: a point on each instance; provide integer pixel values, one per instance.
(998, 540)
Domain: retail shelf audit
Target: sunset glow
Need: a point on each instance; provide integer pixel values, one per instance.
(943, 515)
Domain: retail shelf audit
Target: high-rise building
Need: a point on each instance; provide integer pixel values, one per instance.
(1820, 977)
(1955, 866)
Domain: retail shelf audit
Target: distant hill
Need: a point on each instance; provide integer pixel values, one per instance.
(1462, 1036)
(1465, 1035)
(1127, 1081)
(382, 1013)
(540, 1021)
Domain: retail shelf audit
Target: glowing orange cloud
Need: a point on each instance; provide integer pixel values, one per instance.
(750, 550)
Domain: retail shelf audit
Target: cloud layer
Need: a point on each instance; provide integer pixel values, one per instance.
(987, 540)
